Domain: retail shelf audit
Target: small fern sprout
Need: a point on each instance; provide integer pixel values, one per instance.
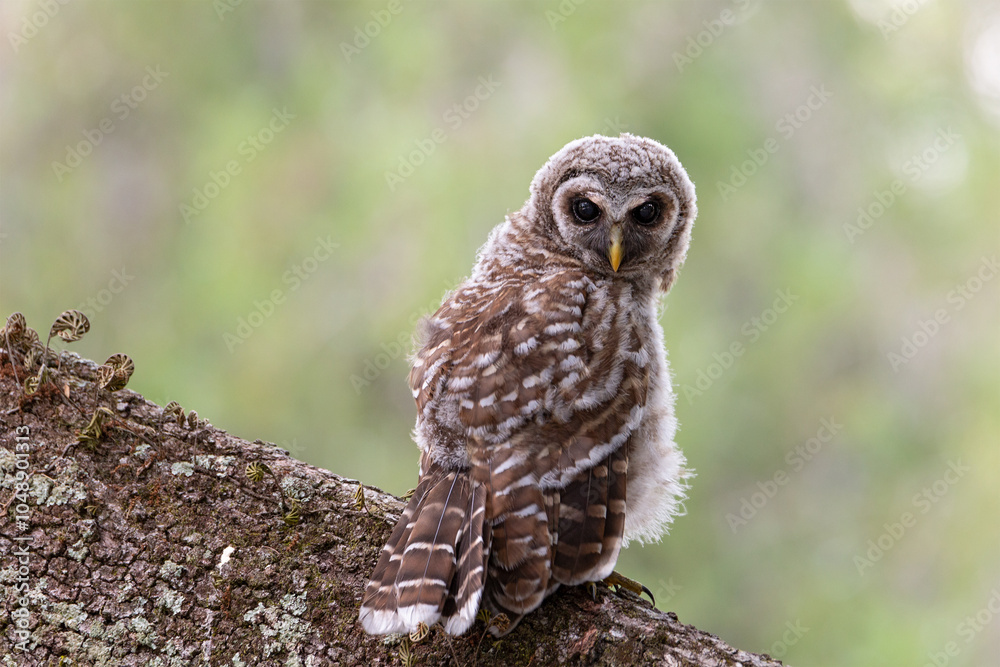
(294, 515)
(116, 372)
(255, 471)
(174, 409)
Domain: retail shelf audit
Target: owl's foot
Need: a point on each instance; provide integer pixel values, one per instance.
(621, 582)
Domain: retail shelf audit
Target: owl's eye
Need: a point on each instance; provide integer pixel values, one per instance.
(646, 214)
(585, 210)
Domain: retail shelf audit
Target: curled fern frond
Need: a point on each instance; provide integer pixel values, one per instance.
(15, 328)
(359, 497)
(174, 409)
(105, 376)
(31, 338)
(115, 372)
(255, 471)
(71, 325)
(294, 514)
(420, 633)
(34, 348)
(501, 622)
(406, 656)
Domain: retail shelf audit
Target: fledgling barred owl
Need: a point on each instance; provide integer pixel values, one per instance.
(545, 412)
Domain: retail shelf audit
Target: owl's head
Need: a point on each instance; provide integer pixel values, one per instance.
(622, 206)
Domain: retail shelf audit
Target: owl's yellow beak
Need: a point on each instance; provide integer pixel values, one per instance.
(615, 251)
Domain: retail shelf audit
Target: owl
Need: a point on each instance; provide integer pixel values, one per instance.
(545, 416)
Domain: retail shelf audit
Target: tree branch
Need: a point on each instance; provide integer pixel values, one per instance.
(168, 544)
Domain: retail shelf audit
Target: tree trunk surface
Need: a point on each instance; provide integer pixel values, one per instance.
(159, 543)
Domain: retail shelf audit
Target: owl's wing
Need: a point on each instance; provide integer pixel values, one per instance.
(547, 381)
(557, 368)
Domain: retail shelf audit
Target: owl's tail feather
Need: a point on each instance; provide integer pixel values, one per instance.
(555, 537)
(521, 546)
(467, 584)
(591, 520)
(432, 567)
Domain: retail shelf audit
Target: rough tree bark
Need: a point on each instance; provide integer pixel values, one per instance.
(157, 545)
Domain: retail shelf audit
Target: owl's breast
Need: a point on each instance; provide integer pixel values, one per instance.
(657, 472)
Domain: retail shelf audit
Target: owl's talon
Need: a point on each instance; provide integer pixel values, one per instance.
(649, 593)
(622, 582)
(592, 589)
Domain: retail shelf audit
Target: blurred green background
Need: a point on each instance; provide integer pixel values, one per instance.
(257, 200)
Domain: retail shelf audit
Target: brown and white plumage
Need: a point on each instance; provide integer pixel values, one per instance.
(545, 412)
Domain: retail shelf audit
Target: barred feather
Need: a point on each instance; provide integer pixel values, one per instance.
(591, 521)
(466, 589)
(412, 580)
(520, 552)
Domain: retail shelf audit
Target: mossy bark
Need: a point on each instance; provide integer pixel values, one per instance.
(152, 545)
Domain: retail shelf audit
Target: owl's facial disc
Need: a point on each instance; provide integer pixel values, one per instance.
(619, 207)
(617, 229)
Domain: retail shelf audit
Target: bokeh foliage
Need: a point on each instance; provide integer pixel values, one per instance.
(329, 264)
